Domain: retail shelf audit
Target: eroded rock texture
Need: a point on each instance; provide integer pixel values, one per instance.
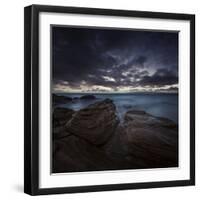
(60, 117)
(93, 139)
(96, 123)
(151, 141)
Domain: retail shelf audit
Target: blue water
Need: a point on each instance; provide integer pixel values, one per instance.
(157, 104)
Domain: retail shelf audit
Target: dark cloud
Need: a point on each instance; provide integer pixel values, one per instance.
(113, 58)
(160, 77)
(138, 61)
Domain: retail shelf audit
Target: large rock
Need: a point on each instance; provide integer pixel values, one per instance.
(60, 117)
(92, 139)
(151, 141)
(141, 118)
(73, 154)
(96, 123)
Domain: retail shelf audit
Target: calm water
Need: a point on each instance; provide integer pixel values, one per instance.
(162, 105)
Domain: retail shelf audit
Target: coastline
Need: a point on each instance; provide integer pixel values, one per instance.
(95, 138)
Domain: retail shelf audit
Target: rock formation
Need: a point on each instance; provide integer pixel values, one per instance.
(96, 123)
(151, 141)
(72, 154)
(93, 139)
(60, 117)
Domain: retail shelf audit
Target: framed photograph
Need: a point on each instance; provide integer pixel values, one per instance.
(109, 100)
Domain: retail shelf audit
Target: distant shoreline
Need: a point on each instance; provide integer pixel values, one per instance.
(157, 104)
(131, 93)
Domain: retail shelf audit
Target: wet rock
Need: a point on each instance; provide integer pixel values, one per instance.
(141, 118)
(92, 139)
(96, 123)
(71, 154)
(151, 141)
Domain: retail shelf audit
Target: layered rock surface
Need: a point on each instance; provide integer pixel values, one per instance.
(151, 141)
(60, 117)
(72, 154)
(96, 123)
(93, 139)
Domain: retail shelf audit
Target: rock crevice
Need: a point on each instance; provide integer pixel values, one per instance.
(92, 139)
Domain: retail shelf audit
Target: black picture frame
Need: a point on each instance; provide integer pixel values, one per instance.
(31, 98)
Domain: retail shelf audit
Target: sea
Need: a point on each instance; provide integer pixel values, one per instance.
(157, 104)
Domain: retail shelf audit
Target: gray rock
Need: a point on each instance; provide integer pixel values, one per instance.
(96, 123)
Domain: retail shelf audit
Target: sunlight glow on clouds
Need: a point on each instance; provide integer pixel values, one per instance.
(103, 60)
(107, 78)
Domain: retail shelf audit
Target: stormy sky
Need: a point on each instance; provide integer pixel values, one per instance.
(113, 60)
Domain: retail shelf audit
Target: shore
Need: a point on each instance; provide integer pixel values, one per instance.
(94, 138)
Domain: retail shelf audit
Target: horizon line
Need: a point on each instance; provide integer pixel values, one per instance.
(164, 92)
